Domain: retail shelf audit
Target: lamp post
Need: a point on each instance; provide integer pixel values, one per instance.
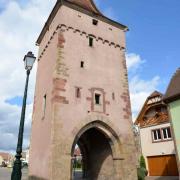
(29, 60)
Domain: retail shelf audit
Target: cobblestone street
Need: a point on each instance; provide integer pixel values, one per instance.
(5, 174)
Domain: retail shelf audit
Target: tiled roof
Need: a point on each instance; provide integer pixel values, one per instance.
(158, 117)
(5, 156)
(154, 94)
(173, 90)
(77, 152)
(86, 4)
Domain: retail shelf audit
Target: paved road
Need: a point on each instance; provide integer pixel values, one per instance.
(162, 178)
(78, 176)
(5, 174)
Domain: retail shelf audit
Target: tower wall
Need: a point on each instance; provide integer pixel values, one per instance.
(61, 51)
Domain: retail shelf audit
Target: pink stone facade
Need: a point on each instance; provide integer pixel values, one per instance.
(61, 51)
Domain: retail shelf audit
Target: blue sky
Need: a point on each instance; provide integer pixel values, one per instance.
(154, 34)
(152, 52)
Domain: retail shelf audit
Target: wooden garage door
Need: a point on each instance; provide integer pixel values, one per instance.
(162, 166)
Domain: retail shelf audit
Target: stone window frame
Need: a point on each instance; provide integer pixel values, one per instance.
(102, 92)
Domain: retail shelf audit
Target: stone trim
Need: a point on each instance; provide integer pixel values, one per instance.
(61, 40)
(104, 102)
(104, 125)
(58, 87)
(75, 7)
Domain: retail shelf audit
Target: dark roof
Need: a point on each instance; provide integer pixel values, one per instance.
(159, 118)
(85, 6)
(155, 94)
(173, 90)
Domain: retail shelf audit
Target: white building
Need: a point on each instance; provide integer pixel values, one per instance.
(156, 139)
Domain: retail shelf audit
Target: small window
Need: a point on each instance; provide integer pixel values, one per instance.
(78, 93)
(95, 22)
(82, 64)
(156, 135)
(44, 105)
(166, 133)
(91, 41)
(97, 98)
(113, 96)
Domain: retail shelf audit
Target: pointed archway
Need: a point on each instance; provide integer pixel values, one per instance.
(99, 146)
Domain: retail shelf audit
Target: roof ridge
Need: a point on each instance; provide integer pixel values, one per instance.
(173, 89)
(86, 4)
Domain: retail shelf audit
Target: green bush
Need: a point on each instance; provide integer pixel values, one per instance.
(142, 162)
(142, 172)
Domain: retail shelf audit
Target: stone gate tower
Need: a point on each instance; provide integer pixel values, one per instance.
(82, 97)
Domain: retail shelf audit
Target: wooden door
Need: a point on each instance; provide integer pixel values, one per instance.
(172, 165)
(162, 166)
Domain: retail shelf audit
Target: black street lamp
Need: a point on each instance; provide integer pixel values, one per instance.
(29, 60)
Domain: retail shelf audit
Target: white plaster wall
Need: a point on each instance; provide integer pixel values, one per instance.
(154, 149)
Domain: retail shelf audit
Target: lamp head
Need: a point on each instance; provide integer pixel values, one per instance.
(29, 60)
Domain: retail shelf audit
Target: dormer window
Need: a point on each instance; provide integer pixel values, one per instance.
(95, 22)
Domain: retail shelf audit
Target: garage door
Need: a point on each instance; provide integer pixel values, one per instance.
(162, 166)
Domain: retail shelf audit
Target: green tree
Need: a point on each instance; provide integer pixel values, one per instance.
(142, 162)
(142, 172)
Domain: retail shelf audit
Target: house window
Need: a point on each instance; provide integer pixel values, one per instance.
(166, 132)
(156, 135)
(91, 41)
(97, 98)
(78, 93)
(95, 22)
(44, 105)
(82, 64)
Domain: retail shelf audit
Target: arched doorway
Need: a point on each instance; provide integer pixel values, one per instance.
(96, 144)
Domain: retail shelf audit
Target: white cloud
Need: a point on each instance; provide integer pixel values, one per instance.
(140, 89)
(134, 61)
(20, 26)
